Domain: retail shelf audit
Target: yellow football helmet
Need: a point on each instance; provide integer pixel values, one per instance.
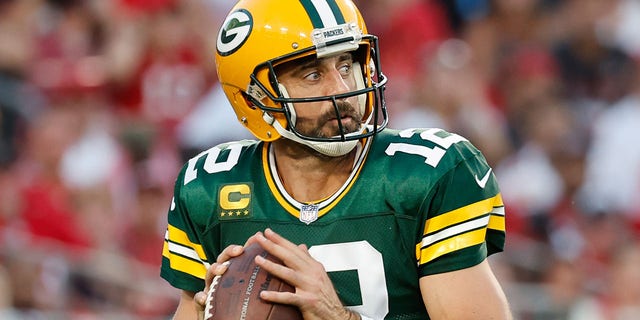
(258, 35)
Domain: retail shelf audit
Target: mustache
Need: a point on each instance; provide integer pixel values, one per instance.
(317, 127)
(345, 109)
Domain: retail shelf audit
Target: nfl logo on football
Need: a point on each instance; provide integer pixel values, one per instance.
(308, 213)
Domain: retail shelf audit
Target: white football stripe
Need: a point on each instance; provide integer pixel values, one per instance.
(455, 230)
(328, 19)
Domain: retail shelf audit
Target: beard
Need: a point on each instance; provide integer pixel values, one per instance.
(326, 125)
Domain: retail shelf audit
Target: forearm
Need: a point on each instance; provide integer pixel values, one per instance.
(472, 293)
(186, 309)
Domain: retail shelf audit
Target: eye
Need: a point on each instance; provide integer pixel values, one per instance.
(345, 69)
(312, 76)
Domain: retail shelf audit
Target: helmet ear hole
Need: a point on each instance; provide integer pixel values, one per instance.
(249, 101)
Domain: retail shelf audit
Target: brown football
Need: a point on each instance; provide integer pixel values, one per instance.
(236, 294)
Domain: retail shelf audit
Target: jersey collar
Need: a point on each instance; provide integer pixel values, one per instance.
(324, 205)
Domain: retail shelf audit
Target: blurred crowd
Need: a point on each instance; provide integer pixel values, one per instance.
(102, 101)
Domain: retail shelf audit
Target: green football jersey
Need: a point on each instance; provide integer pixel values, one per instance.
(418, 202)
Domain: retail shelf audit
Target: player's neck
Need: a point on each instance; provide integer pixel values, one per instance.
(307, 175)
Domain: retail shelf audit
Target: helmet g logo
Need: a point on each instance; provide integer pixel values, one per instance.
(235, 31)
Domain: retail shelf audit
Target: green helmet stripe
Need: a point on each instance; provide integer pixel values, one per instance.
(323, 13)
(336, 11)
(313, 14)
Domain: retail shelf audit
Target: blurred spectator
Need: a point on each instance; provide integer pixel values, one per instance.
(197, 131)
(604, 235)
(620, 299)
(7, 311)
(18, 99)
(66, 56)
(594, 72)
(621, 28)
(550, 296)
(10, 121)
(613, 181)
(405, 29)
(495, 33)
(38, 283)
(528, 79)
(563, 285)
(162, 66)
(533, 185)
(46, 203)
(451, 94)
(146, 226)
(613, 164)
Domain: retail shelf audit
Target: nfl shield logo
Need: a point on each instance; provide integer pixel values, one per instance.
(308, 213)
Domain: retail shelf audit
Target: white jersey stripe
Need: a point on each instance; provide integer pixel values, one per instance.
(186, 251)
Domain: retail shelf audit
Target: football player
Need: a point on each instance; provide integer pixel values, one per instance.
(371, 223)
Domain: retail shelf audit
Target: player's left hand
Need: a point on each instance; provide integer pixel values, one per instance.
(315, 295)
(216, 269)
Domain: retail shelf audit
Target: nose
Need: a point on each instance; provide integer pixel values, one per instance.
(336, 83)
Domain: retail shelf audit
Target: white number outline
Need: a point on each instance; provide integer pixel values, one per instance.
(432, 156)
(211, 164)
(363, 257)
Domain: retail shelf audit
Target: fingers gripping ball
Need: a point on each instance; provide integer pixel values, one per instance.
(236, 293)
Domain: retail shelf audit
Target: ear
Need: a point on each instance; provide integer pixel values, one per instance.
(248, 100)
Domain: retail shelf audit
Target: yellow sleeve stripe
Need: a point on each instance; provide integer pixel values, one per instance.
(177, 262)
(183, 258)
(460, 215)
(461, 228)
(458, 242)
(497, 222)
(180, 237)
(498, 201)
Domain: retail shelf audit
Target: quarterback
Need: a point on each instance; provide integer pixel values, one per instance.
(370, 222)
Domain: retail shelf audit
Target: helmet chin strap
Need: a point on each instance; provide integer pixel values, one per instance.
(331, 149)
